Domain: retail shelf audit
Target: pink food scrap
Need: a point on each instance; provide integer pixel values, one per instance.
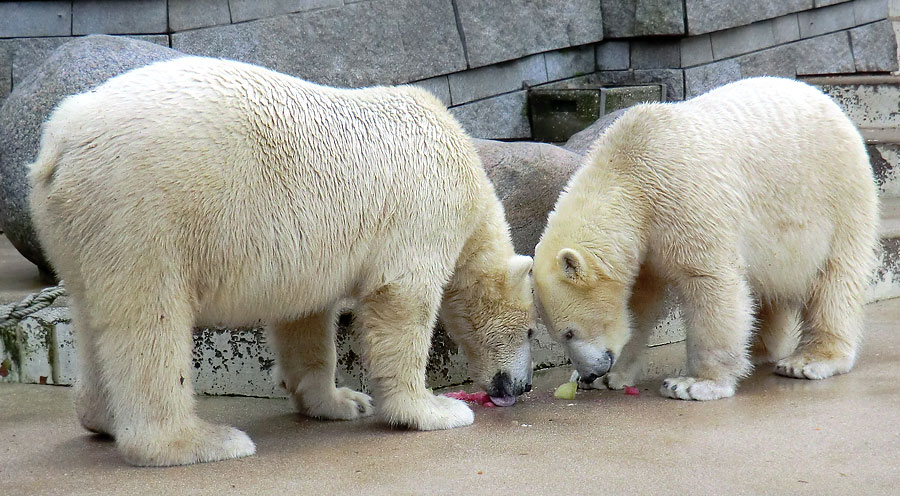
(480, 397)
(632, 391)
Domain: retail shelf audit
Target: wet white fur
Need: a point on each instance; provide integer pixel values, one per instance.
(754, 201)
(202, 191)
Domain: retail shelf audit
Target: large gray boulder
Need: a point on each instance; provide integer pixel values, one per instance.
(77, 66)
(581, 141)
(528, 178)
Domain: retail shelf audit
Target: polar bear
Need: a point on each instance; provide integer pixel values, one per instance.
(754, 202)
(204, 191)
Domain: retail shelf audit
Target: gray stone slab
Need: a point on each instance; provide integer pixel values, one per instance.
(350, 46)
(570, 62)
(119, 17)
(495, 79)
(26, 19)
(696, 50)
(894, 9)
(786, 28)
(671, 79)
(501, 117)
(828, 54)
(874, 47)
(27, 54)
(825, 3)
(247, 10)
(626, 96)
(438, 86)
(704, 16)
(775, 61)
(826, 20)
(630, 18)
(664, 53)
(613, 55)
(193, 14)
(700, 79)
(866, 11)
(79, 65)
(743, 39)
(498, 31)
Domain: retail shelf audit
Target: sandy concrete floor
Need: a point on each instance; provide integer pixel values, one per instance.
(777, 436)
(18, 276)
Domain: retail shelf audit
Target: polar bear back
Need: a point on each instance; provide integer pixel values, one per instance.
(767, 164)
(256, 185)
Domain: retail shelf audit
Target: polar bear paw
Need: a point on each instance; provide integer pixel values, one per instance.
(596, 384)
(92, 412)
(334, 404)
(691, 388)
(612, 380)
(804, 367)
(204, 443)
(430, 413)
(616, 380)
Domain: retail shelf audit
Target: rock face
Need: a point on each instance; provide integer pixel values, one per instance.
(75, 67)
(528, 178)
(580, 142)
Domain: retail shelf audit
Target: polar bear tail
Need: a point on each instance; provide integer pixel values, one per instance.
(63, 121)
(44, 167)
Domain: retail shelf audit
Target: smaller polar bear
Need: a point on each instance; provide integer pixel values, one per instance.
(759, 191)
(203, 191)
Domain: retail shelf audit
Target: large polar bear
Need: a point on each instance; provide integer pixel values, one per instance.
(201, 191)
(755, 198)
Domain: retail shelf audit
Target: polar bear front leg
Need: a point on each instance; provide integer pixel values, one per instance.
(719, 313)
(306, 361)
(646, 305)
(396, 323)
(144, 353)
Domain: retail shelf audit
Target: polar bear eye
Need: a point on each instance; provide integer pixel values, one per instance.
(569, 335)
(530, 332)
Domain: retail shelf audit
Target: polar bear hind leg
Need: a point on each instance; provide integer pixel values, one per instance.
(144, 355)
(90, 393)
(397, 320)
(831, 328)
(306, 361)
(778, 331)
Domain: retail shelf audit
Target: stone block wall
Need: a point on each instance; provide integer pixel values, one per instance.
(480, 56)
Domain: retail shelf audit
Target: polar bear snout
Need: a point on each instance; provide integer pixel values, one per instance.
(512, 380)
(502, 385)
(590, 361)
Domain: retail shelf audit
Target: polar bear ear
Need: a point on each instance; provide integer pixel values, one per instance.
(519, 268)
(571, 263)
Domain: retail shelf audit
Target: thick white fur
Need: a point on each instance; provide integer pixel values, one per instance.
(200, 191)
(755, 200)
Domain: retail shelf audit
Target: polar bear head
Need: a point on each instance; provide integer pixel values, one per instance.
(493, 321)
(584, 304)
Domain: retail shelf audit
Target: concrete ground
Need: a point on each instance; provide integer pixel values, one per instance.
(777, 436)
(18, 276)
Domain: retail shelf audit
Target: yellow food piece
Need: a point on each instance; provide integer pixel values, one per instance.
(566, 391)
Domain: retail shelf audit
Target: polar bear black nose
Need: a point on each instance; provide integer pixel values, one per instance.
(599, 368)
(501, 385)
